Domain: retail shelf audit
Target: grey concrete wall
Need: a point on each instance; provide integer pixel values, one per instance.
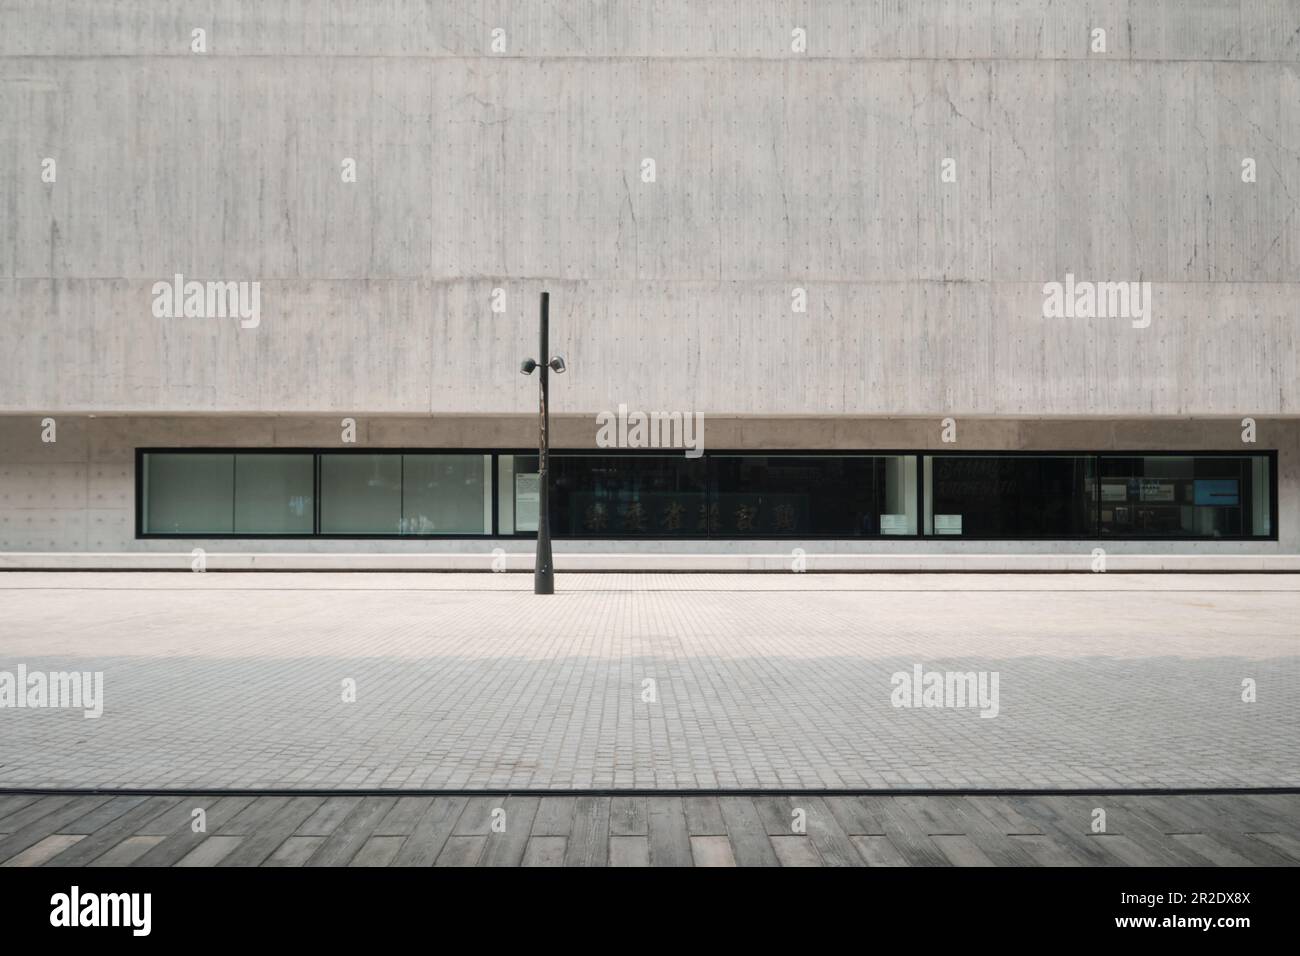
(78, 493)
(775, 170)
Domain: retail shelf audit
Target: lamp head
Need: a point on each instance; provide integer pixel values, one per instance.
(527, 367)
(557, 365)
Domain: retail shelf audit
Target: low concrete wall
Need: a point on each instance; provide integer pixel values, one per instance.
(811, 561)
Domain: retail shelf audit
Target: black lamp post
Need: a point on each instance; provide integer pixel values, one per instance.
(543, 569)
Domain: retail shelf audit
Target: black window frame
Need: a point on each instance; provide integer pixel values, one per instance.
(1270, 454)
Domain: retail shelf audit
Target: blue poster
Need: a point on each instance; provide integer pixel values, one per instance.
(1216, 491)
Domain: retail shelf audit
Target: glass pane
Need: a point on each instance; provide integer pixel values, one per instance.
(1261, 511)
(273, 494)
(598, 496)
(1184, 496)
(518, 510)
(899, 514)
(790, 496)
(360, 494)
(446, 494)
(1009, 496)
(189, 493)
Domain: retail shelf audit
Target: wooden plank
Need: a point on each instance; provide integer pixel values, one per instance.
(1128, 837)
(181, 816)
(351, 835)
(878, 851)
(1239, 813)
(833, 844)
(854, 816)
(908, 835)
(211, 851)
(1283, 808)
(777, 814)
(326, 820)
(506, 848)
(1043, 850)
(261, 842)
(960, 850)
(554, 816)
(42, 819)
(795, 851)
(11, 803)
(1214, 815)
(670, 844)
(254, 815)
(41, 852)
(1003, 816)
(110, 835)
(461, 851)
(406, 813)
(544, 851)
(43, 807)
(931, 815)
(703, 818)
(1134, 820)
(629, 851)
(1206, 847)
(712, 851)
(295, 851)
(426, 840)
(103, 815)
(476, 818)
(589, 833)
(627, 816)
(749, 842)
(128, 851)
(378, 851)
(987, 836)
(1123, 849)
(1071, 835)
(1284, 843)
(181, 842)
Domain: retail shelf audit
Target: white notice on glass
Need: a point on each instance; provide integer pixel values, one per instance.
(527, 499)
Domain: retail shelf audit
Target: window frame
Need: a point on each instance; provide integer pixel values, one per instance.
(1269, 454)
(1095, 504)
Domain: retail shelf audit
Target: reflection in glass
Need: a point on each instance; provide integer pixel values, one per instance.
(1037, 496)
(273, 494)
(360, 494)
(189, 493)
(446, 494)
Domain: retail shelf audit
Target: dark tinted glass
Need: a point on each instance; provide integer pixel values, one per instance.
(1012, 497)
(787, 495)
(1182, 496)
(598, 496)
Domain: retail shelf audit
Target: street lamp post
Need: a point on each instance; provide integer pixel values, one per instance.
(543, 568)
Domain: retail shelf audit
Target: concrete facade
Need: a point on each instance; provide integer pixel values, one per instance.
(521, 167)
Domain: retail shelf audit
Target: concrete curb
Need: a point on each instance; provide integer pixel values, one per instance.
(663, 562)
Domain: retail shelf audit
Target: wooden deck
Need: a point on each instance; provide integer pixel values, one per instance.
(636, 830)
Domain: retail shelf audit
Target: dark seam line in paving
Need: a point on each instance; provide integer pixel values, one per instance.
(665, 792)
(161, 590)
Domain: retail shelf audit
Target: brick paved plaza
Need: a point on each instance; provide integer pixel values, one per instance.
(468, 681)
